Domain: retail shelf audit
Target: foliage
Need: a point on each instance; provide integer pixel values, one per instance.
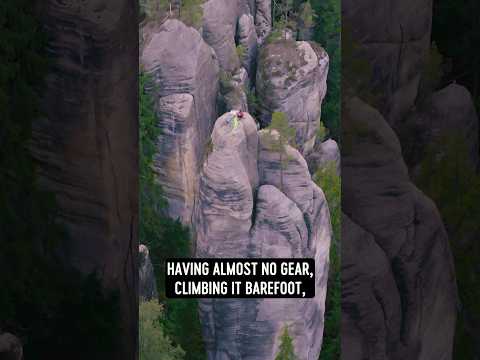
(241, 51)
(226, 82)
(307, 14)
(282, 10)
(327, 33)
(432, 73)
(448, 178)
(279, 134)
(253, 103)
(153, 343)
(287, 350)
(165, 237)
(191, 12)
(153, 9)
(322, 131)
(328, 180)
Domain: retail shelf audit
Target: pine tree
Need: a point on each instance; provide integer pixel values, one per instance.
(287, 350)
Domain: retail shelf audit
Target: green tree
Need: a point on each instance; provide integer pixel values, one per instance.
(328, 34)
(329, 181)
(191, 12)
(287, 350)
(153, 343)
(165, 237)
(279, 134)
(449, 179)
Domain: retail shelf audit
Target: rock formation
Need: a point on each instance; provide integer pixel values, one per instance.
(226, 184)
(324, 153)
(86, 143)
(394, 37)
(249, 206)
(147, 284)
(291, 78)
(448, 112)
(10, 347)
(401, 303)
(263, 19)
(185, 72)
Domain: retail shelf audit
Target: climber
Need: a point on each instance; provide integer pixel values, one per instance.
(234, 115)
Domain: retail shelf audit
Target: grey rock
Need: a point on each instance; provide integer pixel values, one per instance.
(233, 92)
(86, 144)
(220, 18)
(185, 73)
(247, 38)
(403, 231)
(10, 347)
(449, 112)
(263, 19)
(325, 153)
(243, 213)
(291, 78)
(394, 37)
(147, 287)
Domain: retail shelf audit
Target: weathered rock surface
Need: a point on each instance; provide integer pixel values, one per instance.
(243, 213)
(324, 153)
(291, 78)
(247, 39)
(10, 347)
(220, 18)
(147, 285)
(449, 112)
(185, 73)
(394, 37)
(86, 144)
(410, 273)
(233, 92)
(263, 19)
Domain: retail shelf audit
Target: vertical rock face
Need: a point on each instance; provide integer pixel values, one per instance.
(324, 153)
(410, 274)
(448, 112)
(250, 207)
(185, 71)
(247, 39)
(147, 287)
(10, 347)
(394, 38)
(263, 19)
(291, 78)
(87, 144)
(220, 19)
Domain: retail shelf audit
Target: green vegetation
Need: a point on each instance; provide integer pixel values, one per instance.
(307, 14)
(154, 9)
(241, 51)
(287, 350)
(432, 74)
(285, 135)
(329, 181)
(153, 343)
(448, 178)
(322, 132)
(52, 308)
(327, 33)
(165, 237)
(191, 12)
